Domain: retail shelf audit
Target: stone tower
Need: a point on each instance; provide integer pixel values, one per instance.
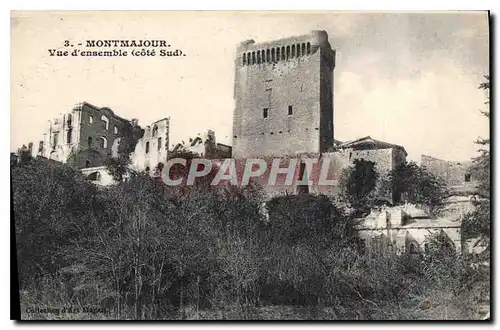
(284, 96)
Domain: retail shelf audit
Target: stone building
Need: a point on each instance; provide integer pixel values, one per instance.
(86, 136)
(284, 96)
(408, 229)
(284, 108)
(151, 151)
(81, 138)
(453, 173)
(206, 146)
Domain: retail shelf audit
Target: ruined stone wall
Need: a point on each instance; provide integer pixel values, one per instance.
(453, 173)
(290, 82)
(99, 128)
(152, 148)
(383, 158)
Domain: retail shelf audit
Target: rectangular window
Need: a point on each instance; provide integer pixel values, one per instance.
(159, 143)
(290, 110)
(265, 112)
(55, 140)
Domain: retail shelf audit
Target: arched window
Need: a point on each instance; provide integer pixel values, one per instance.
(273, 55)
(249, 58)
(287, 52)
(147, 147)
(89, 142)
(106, 121)
(283, 54)
(40, 146)
(308, 48)
(147, 169)
(69, 120)
(115, 130)
(159, 143)
(258, 57)
(303, 49)
(278, 54)
(104, 142)
(244, 58)
(91, 119)
(298, 50)
(268, 55)
(293, 51)
(155, 131)
(253, 57)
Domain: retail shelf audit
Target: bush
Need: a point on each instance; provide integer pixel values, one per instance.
(143, 250)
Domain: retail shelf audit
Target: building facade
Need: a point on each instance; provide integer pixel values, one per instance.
(86, 136)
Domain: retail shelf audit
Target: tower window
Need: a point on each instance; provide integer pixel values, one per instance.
(467, 177)
(91, 119)
(115, 130)
(159, 143)
(147, 147)
(155, 131)
(290, 110)
(89, 142)
(265, 112)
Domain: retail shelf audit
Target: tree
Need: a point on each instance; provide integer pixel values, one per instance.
(417, 184)
(478, 222)
(118, 166)
(358, 184)
(481, 164)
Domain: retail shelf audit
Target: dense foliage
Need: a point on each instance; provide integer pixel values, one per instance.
(143, 250)
(417, 185)
(478, 222)
(358, 185)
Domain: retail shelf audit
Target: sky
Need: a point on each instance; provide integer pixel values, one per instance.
(409, 79)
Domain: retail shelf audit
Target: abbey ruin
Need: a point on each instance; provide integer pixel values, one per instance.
(283, 94)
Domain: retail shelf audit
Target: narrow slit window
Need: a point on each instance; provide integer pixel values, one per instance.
(265, 112)
(290, 110)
